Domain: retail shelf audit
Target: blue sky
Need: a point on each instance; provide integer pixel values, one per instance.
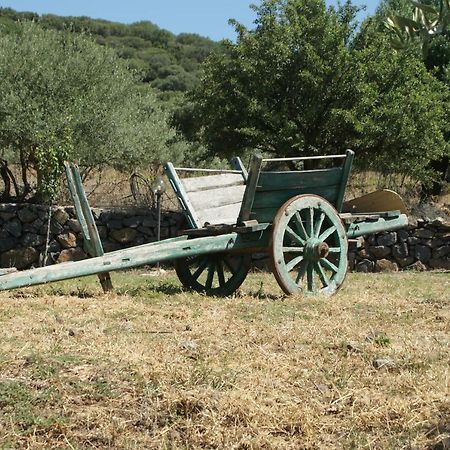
(205, 17)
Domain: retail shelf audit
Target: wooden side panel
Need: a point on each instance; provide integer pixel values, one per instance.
(275, 199)
(211, 182)
(214, 198)
(308, 180)
(222, 214)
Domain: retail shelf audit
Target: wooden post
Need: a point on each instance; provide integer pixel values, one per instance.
(236, 164)
(249, 194)
(345, 176)
(87, 222)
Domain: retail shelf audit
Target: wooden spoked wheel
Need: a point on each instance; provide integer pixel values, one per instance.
(309, 246)
(218, 274)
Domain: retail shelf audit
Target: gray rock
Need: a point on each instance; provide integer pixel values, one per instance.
(413, 240)
(403, 262)
(387, 239)
(114, 224)
(32, 240)
(54, 246)
(189, 345)
(422, 253)
(133, 222)
(21, 258)
(400, 251)
(71, 254)
(435, 243)
(365, 266)
(109, 246)
(74, 225)
(440, 252)
(124, 235)
(33, 227)
(67, 240)
(402, 235)
(384, 265)
(380, 251)
(26, 215)
(418, 266)
(7, 242)
(383, 363)
(5, 216)
(102, 231)
(424, 233)
(13, 227)
(149, 222)
(60, 215)
(147, 231)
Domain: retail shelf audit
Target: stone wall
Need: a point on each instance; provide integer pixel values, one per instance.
(23, 238)
(23, 232)
(421, 246)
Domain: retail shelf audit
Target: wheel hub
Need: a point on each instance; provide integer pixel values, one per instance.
(316, 249)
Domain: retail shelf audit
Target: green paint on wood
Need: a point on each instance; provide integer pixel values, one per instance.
(357, 229)
(249, 194)
(345, 176)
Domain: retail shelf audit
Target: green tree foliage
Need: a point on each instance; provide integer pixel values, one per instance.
(170, 63)
(63, 96)
(301, 83)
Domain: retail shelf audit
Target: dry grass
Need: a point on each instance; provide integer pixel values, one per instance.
(155, 367)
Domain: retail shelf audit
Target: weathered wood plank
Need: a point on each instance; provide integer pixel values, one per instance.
(249, 194)
(211, 181)
(223, 214)
(382, 200)
(303, 179)
(133, 257)
(214, 198)
(347, 168)
(276, 198)
(237, 164)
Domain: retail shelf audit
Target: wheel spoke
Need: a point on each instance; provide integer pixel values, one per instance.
(335, 249)
(299, 225)
(293, 249)
(311, 221)
(200, 269)
(293, 262)
(322, 275)
(209, 279)
(310, 278)
(294, 235)
(220, 273)
(302, 271)
(329, 265)
(327, 233)
(319, 223)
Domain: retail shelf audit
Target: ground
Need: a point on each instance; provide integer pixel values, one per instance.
(152, 366)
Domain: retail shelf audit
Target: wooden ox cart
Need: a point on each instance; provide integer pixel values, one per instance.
(294, 215)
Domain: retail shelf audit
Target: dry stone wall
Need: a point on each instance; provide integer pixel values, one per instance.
(23, 238)
(24, 228)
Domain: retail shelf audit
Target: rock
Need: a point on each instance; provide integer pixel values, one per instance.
(189, 345)
(67, 240)
(417, 266)
(13, 227)
(443, 263)
(402, 235)
(351, 261)
(435, 243)
(413, 240)
(102, 231)
(33, 227)
(60, 215)
(5, 216)
(383, 363)
(140, 240)
(322, 388)
(124, 235)
(21, 258)
(114, 224)
(149, 222)
(54, 246)
(7, 242)
(400, 251)
(365, 266)
(71, 254)
(74, 225)
(133, 222)
(438, 222)
(146, 231)
(109, 246)
(424, 233)
(422, 253)
(387, 239)
(440, 252)
(26, 215)
(380, 251)
(32, 240)
(384, 265)
(403, 262)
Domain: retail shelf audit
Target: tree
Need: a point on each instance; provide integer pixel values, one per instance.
(301, 83)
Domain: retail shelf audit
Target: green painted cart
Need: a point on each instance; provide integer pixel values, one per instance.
(294, 215)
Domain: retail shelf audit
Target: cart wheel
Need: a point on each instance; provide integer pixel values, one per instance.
(309, 246)
(218, 274)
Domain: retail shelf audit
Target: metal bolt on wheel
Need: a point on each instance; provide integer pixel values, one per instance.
(309, 246)
(215, 274)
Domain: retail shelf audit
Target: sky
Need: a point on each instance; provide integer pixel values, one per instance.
(205, 17)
